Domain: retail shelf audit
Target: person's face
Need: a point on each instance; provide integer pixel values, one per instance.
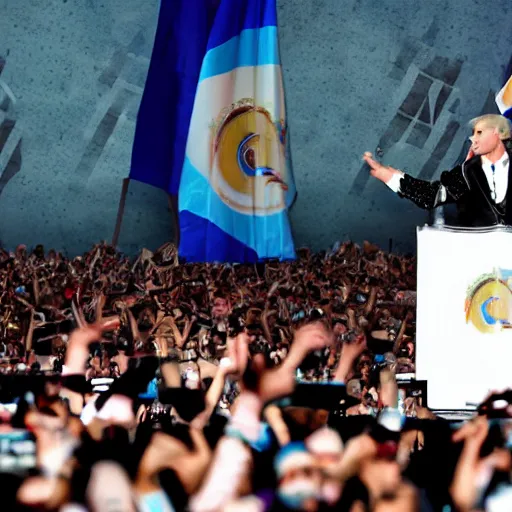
(365, 359)
(307, 472)
(339, 328)
(365, 370)
(310, 478)
(354, 389)
(217, 340)
(220, 307)
(381, 477)
(52, 389)
(484, 139)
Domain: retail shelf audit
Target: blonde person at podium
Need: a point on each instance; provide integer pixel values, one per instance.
(481, 187)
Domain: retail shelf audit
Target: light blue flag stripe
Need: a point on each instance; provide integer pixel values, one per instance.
(253, 47)
(201, 200)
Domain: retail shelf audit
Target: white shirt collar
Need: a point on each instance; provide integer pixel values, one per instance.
(503, 161)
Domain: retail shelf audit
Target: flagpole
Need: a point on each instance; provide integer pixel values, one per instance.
(120, 211)
(172, 201)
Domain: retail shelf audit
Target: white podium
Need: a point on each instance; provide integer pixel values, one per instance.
(463, 338)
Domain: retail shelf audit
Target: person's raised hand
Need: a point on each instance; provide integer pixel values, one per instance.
(473, 474)
(191, 465)
(388, 388)
(350, 351)
(313, 336)
(310, 337)
(357, 450)
(271, 384)
(93, 332)
(383, 173)
(267, 384)
(235, 363)
(474, 431)
(353, 349)
(79, 341)
(167, 452)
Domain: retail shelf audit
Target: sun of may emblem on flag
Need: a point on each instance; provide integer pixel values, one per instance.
(247, 164)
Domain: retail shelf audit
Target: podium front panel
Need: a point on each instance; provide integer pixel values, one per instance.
(464, 316)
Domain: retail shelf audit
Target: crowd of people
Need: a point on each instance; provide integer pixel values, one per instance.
(163, 305)
(153, 385)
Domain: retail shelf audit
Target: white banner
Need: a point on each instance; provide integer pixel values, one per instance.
(464, 341)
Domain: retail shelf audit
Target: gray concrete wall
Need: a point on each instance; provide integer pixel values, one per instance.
(398, 75)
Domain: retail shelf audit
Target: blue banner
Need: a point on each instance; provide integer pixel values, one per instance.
(212, 122)
(163, 121)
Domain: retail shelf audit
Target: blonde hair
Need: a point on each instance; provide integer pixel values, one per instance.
(499, 123)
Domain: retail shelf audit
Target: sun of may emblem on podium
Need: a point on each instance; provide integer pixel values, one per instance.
(489, 302)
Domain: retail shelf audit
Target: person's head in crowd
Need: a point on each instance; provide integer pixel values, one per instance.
(327, 447)
(58, 343)
(253, 316)
(410, 347)
(364, 368)
(109, 489)
(354, 388)
(162, 446)
(382, 478)
(52, 387)
(114, 369)
(339, 327)
(105, 360)
(220, 305)
(299, 478)
(405, 365)
(369, 396)
(21, 368)
(57, 365)
(218, 338)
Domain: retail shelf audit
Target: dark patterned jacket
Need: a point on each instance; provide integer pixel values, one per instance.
(467, 186)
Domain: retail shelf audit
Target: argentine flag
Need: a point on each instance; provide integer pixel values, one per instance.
(235, 186)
